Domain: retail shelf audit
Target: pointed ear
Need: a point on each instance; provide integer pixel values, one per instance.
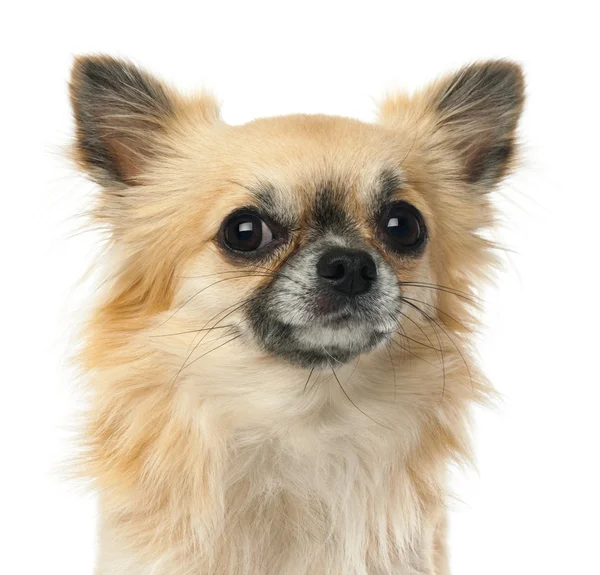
(474, 113)
(121, 113)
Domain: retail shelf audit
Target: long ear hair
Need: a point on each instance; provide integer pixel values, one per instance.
(122, 114)
(475, 115)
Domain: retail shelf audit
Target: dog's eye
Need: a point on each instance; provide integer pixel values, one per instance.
(246, 232)
(403, 227)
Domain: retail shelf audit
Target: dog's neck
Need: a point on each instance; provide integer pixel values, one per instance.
(223, 485)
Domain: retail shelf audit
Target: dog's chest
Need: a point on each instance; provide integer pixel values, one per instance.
(336, 508)
(343, 507)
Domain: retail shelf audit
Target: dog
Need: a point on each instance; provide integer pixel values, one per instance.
(279, 362)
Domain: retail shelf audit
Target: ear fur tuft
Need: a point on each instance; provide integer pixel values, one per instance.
(480, 107)
(472, 113)
(119, 110)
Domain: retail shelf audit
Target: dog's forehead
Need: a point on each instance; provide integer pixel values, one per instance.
(320, 167)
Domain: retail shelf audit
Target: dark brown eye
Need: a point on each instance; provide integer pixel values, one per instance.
(403, 227)
(246, 232)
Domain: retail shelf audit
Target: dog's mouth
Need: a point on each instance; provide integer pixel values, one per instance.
(338, 343)
(330, 339)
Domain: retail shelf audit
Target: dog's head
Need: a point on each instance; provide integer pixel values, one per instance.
(307, 240)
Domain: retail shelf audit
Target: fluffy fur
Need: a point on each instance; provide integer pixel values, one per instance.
(209, 451)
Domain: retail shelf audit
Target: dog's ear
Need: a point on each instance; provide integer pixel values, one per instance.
(121, 114)
(474, 114)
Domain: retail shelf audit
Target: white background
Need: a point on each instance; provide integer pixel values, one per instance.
(533, 506)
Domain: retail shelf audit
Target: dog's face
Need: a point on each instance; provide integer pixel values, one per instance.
(311, 239)
(322, 232)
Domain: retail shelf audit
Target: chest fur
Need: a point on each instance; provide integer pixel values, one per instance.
(345, 507)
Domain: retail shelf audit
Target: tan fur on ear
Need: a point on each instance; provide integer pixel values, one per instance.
(123, 116)
(475, 114)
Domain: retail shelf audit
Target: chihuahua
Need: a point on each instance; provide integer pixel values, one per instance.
(279, 361)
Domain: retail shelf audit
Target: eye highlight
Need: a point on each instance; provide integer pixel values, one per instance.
(245, 231)
(403, 228)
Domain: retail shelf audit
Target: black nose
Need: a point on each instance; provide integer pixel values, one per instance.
(351, 272)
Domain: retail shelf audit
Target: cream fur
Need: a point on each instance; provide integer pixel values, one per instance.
(210, 456)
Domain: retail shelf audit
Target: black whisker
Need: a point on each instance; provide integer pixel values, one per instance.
(446, 289)
(437, 351)
(197, 294)
(421, 343)
(350, 400)
(265, 270)
(414, 354)
(354, 370)
(237, 305)
(333, 358)
(216, 324)
(316, 380)
(439, 311)
(236, 271)
(191, 331)
(433, 323)
(394, 370)
(210, 351)
(309, 376)
(412, 145)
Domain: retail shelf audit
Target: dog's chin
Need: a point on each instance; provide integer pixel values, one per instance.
(324, 343)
